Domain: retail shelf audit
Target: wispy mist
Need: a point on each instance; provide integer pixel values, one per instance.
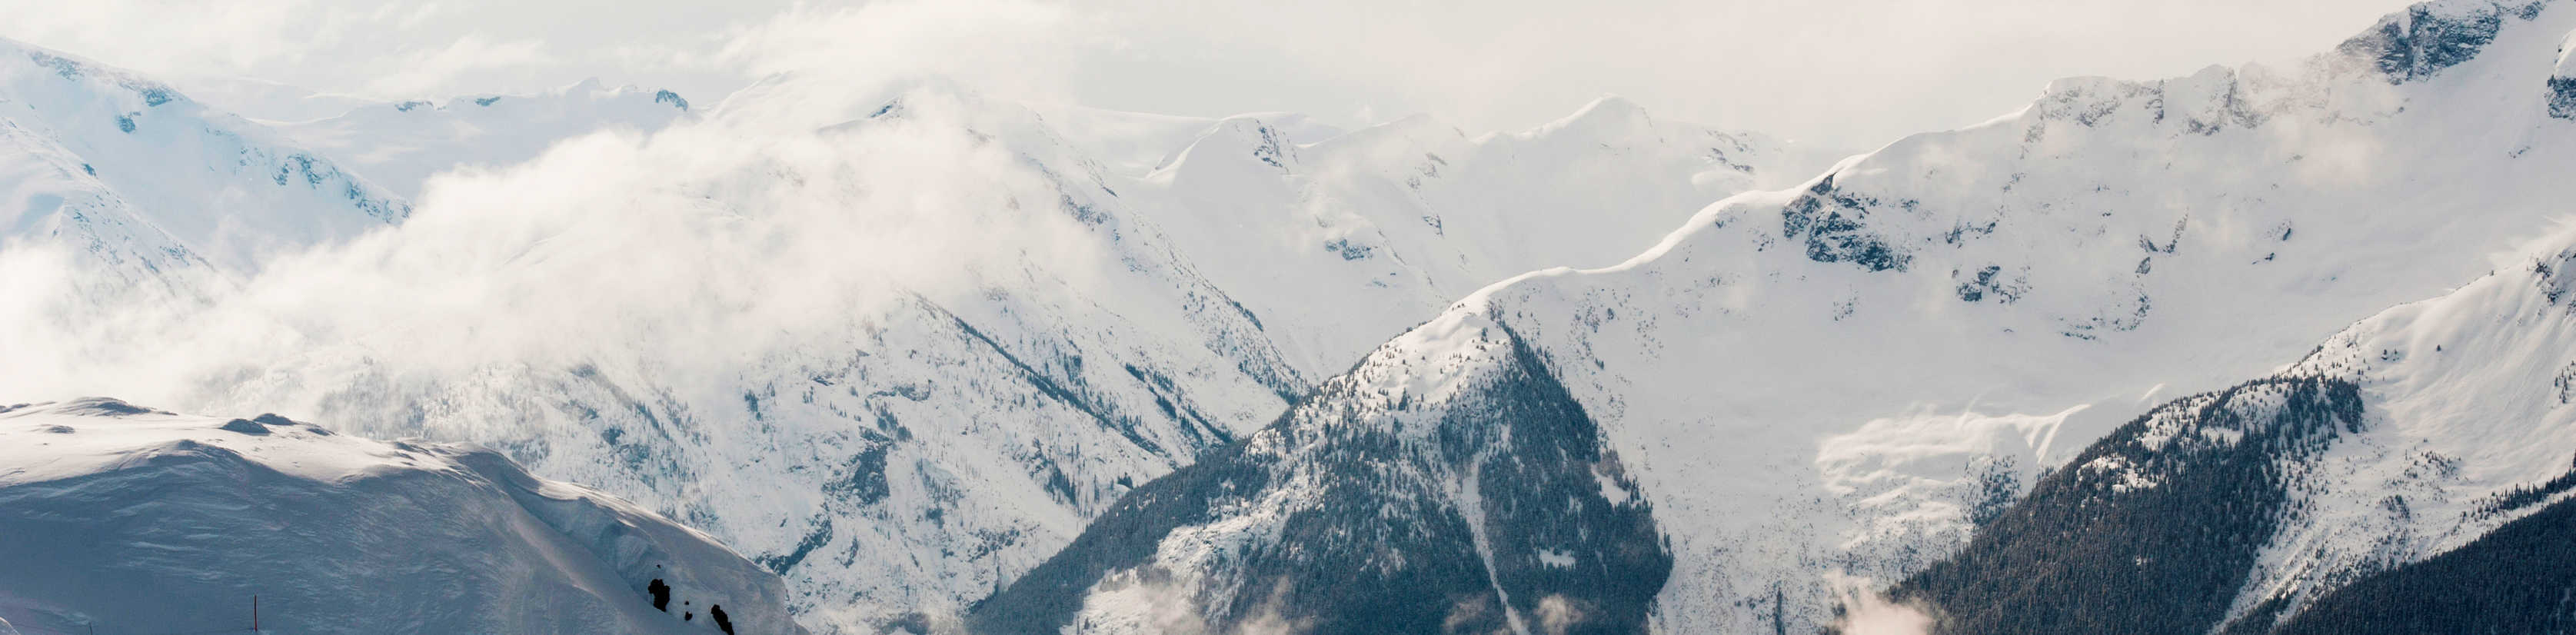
(682, 249)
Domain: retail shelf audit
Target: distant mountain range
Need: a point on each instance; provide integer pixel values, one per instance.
(1891, 374)
(939, 361)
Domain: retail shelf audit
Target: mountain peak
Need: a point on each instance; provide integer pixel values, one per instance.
(2430, 36)
(1604, 114)
(1612, 103)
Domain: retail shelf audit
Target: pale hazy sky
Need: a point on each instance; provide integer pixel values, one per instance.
(1849, 72)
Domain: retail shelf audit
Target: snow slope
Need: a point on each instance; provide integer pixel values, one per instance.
(2459, 440)
(127, 519)
(1829, 385)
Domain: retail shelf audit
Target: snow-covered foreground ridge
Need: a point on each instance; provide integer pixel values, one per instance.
(1833, 385)
(124, 519)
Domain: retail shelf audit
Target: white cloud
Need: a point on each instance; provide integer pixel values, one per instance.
(1007, 48)
(426, 70)
(683, 249)
(1556, 614)
(1866, 612)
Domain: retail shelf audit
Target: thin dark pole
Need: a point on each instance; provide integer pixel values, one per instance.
(254, 614)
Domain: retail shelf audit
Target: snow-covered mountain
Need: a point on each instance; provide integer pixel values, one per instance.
(933, 356)
(1806, 392)
(2422, 453)
(131, 173)
(901, 350)
(124, 519)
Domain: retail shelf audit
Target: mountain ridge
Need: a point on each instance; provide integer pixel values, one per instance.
(1842, 337)
(896, 436)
